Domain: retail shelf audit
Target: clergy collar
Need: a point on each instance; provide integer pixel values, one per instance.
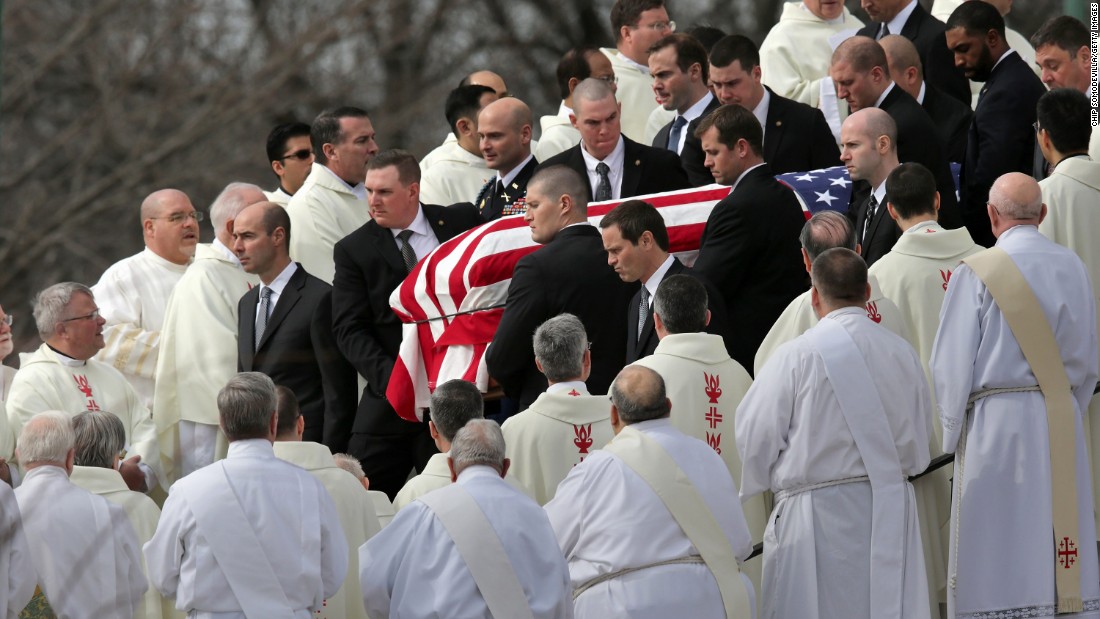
(630, 61)
(931, 224)
(844, 311)
(225, 251)
(152, 256)
(359, 190)
(419, 224)
(66, 360)
(514, 172)
(250, 447)
(886, 92)
(477, 470)
(897, 24)
(738, 181)
(568, 385)
(657, 277)
(282, 279)
(836, 21)
(564, 111)
(1084, 155)
(1014, 229)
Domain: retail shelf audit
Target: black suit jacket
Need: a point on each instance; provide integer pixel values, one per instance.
(645, 169)
(882, 233)
(569, 274)
(1000, 140)
(691, 155)
(927, 34)
(298, 350)
(918, 142)
(494, 205)
(750, 251)
(636, 347)
(368, 268)
(951, 119)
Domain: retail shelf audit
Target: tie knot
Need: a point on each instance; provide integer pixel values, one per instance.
(404, 235)
(678, 123)
(602, 168)
(266, 292)
(645, 295)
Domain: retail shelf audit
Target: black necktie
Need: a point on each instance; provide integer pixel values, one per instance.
(872, 208)
(643, 311)
(407, 253)
(262, 315)
(674, 134)
(885, 30)
(603, 188)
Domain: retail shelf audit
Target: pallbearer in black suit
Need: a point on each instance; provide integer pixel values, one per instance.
(679, 67)
(950, 116)
(867, 147)
(636, 240)
(1001, 137)
(750, 247)
(615, 166)
(370, 263)
(285, 323)
(504, 134)
(796, 136)
(569, 274)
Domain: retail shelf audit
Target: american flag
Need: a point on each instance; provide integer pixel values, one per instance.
(452, 301)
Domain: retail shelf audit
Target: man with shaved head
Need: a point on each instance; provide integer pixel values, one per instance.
(285, 324)
(868, 149)
(504, 135)
(199, 342)
(950, 116)
(1014, 366)
(615, 166)
(862, 75)
(578, 64)
(133, 292)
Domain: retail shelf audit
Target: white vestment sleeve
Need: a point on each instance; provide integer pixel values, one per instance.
(17, 574)
(763, 420)
(334, 547)
(954, 351)
(129, 550)
(164, 552)
(567, 510)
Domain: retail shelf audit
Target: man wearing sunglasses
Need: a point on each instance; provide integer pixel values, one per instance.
(291, 157)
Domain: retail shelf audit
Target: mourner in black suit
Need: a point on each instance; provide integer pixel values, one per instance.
(504, 132)
(614, 166)
(927, 34)
(1001, 138)
(749, 249)
(686, 92)
(569, 273)
(370, 263)
(861, 72)
(285, 324)
(637, 244)
(950, 117)
(796, 136)
(868, 149)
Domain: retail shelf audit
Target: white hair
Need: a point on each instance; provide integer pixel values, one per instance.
(51, 303)
(480, 441)
(230, 202)
(350, 464)
(47, 437)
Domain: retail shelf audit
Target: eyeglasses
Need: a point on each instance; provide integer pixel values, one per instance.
(610, 79)
(659, 26)
(177, 218)
(94, 316)
(300, 155)
(8, 319)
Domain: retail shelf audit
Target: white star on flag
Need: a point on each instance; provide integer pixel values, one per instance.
(805, 177)
(840, 181)
(825, 197)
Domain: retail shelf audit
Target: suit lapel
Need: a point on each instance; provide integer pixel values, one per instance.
(287, 299)
(773, 133)
(632, 168)
(387, 246)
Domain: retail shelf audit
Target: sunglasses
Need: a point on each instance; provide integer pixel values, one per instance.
(300, 155)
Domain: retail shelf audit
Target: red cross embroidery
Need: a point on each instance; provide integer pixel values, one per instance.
(584, 438)
(713, 417)
(83, 386)
(872, 312)
(945, 276)
(573, 392)
(715, 442)
(1067, 553)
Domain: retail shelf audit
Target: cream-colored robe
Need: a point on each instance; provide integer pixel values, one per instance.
(799, 317)
(132, 295)
(553, 435)
(278, 196)
(1072, 196)
(17, 575)
(44, 383)
(356, 512)
(7, 435)
(143, 514)
(198, 348)
(558, 135)
(383, 507)
(436, 475)
(635, 93)
(456, 175)
(321, 213)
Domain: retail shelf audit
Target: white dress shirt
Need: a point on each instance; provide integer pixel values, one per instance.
(614, 161)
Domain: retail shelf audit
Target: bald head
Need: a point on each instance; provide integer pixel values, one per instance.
(839, 279)
(170, 225)
(868, 145)
(229, 203)
(486, 78)
(1015, 199)
(504, 133)
(261, 239)
(512, 111)
(162, 200)
(904, 63)
(826, 230)
(874, 122)
(638, 394)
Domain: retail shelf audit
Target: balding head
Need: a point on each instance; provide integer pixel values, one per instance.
(638, 394)
(170, 225)
(486, 78)
(504, 134)
(155, 203)
(824, 231)
(47, 440)
(904, 62)
(1015, 199)
(839, 279)
(261, 239)
(860, 72)
(868, 145)
(229, 203)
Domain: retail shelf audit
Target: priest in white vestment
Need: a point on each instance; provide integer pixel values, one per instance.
(99, 439)
(457, 172)
(198, 346)
(1072, 193)
(453, 404)
(353, 505)
(83, 547)
(290, 153)
(133, 292)
(566, 423)
(629, 555)
(17, 575)
(383, 507)
(251, 535)
(823, 231)
(332, 202)
(915, 274)
(62, 375)
(1006, 566)
(833, 425)
(635, 31)
(475, 549)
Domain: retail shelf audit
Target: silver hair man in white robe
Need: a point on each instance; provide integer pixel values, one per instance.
(251, 535)
(833, 425)
(482, 547)
(83, 547)
(629, 555)
(999, 565)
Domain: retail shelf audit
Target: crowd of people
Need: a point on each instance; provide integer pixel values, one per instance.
(206, 431)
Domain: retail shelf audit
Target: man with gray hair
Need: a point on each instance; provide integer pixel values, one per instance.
(652, 483)
(198, 348)
(133, 292)
(99, 439)
(83, 547)
(824, 231)
(1014, 366)
(486, 549)
(383, 507)
(62, 375)
(251, 535)
(565, 424)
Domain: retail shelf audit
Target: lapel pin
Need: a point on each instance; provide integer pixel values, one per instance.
(779, 123)
(637, 162)
(441, 222)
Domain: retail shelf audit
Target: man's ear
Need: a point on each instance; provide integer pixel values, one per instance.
(451, 467)
(504, 467)
(432, 430)
(278, 168)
